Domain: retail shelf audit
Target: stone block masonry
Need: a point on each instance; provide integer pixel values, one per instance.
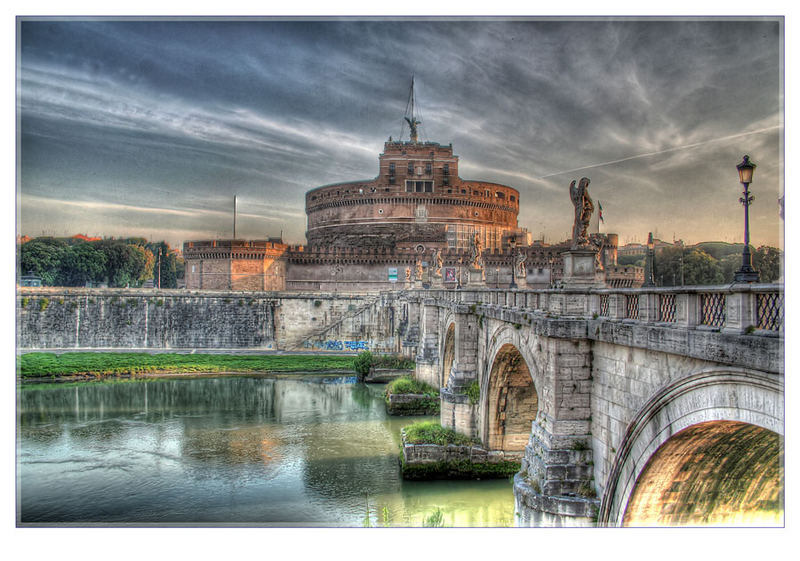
(67, 318)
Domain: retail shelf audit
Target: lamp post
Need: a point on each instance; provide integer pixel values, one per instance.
(650, 265)
(513, 284)
(746, 273)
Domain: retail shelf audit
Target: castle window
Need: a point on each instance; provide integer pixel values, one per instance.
(446, 169)
(410, 168)
(445, 180)
(500, 195)
(419, 186)
(513, 198)
(428, 167)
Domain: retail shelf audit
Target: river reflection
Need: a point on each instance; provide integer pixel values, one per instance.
(299, 451)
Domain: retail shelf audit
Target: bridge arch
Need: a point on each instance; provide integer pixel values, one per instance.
(509, 396)
(682, 460)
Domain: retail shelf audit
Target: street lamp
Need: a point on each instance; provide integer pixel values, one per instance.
(746, 273)
(650, 265)
(513, 244)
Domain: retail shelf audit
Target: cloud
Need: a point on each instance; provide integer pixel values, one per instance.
(130, 112)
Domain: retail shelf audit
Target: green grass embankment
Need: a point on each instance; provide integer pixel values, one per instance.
(50, 365)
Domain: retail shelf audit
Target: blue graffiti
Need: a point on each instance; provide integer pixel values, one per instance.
(333, 345)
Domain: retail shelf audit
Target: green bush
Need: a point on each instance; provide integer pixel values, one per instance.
(392, 361)
(431, 432)
(25, 302)
(362, 364)
(473, 392)
(43, 303)
(407, 384)
(366, 360)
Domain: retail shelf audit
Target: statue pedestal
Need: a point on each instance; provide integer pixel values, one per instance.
(475, 278)
(580, 270)
(437, 282)
(417, 284)
(521, 282)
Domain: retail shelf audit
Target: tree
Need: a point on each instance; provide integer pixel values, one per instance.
(729, 265)
(668, 266)
(126, 265)
(42, 257)
(676, 266)
(767, 261)
(81, 263)
(700, 268)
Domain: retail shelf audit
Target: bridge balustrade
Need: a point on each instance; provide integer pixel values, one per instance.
(731, 308)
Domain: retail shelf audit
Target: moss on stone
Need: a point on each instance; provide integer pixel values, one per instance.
(459, 469)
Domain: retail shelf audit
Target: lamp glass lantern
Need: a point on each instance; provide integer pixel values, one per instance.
(745, 169)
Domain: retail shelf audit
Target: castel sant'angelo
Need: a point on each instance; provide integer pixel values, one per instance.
(416, 224)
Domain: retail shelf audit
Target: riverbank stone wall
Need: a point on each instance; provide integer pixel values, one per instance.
(78, 318)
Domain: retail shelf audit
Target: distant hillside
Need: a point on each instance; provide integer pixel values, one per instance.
(718, 250)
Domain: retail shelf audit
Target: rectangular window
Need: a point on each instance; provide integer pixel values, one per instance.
(446, 169)
(409, 186)
(428, 167)
(410, 168)
(429, 186)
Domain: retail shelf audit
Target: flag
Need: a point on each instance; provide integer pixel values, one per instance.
(600, 212)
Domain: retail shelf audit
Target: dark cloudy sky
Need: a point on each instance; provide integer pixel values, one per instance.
(150, 127)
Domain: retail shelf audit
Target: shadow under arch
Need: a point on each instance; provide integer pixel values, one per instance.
(512, 402)
(448, 355)
(700, 417)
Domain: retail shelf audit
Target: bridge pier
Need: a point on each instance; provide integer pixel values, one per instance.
(555, 486)
(427, 359)
(457, 412)
(410, 328)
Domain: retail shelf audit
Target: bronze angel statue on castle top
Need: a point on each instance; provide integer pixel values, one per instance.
(583, 212)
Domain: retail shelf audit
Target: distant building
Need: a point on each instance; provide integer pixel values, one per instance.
(371, 234)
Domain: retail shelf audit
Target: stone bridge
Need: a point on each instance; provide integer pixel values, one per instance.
(625, 406)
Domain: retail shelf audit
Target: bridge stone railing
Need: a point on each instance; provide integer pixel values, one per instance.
(736, 308)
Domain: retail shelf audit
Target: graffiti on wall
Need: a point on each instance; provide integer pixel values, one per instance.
(334, 345)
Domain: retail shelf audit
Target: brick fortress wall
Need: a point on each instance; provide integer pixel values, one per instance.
(417, 197)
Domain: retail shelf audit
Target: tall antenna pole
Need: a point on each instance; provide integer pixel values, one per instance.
(234, 217)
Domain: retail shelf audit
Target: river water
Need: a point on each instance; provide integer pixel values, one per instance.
(248, 450)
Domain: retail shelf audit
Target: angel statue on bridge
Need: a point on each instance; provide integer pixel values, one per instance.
(519, 264)
(436, 258)
(475, 250)
(583, 212)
